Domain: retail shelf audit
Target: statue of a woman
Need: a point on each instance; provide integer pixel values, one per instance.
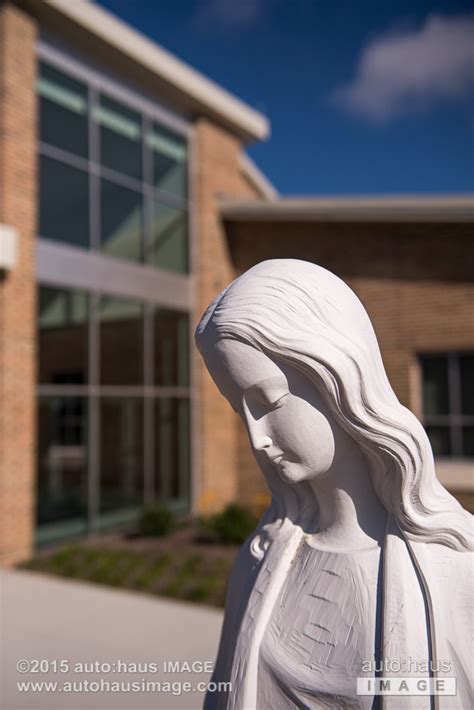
(360, 567)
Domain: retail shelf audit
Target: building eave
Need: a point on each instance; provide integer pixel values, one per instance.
(433, 208)
(257, 178)
(205, 96)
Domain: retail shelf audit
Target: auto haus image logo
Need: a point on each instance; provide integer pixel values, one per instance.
(408, 685)
(408, 665)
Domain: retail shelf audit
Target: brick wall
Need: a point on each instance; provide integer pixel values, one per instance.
(415, 281)
(217, 172)
(17, 288)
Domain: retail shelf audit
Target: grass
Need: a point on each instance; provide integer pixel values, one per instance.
(191, 577)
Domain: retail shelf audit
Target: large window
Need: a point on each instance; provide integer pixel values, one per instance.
(448, 402)
(114, 421)
(113, 179)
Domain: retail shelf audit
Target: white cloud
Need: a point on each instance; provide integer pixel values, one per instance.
(402, 72)
(228, 13)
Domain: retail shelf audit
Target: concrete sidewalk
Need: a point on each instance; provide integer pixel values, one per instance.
(58, 620)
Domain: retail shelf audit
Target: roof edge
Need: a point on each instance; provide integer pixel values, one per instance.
(429, 208)
(258, 179)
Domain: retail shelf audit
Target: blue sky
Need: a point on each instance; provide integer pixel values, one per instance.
(364, 97)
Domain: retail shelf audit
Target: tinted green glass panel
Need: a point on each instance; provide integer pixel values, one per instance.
(172, 452)
(435, 385)
(169, 249)
(62, 459)
(468, 441)
(64, 203)
(63, 111)
(121, 341)
(63, 336)
(171, 348)
(121, 453)
(121, 221)
(440, 440)
(120, 137)
(466, 373)
(170, 172)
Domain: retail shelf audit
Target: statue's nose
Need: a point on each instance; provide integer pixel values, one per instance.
(263, 442)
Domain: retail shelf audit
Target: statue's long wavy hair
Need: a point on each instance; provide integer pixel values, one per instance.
(306, 316)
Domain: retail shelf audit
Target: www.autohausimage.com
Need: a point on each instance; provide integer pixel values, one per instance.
(163, 672)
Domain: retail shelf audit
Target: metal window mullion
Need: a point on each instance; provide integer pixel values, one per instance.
(148, 488)
(192, 167)
(147, 192)
(94, 180)
(94, 417)
(120, 179)
(438, 419)
(170, 200)
(462, 420)
(166, 474)
(454, 388)
(184, 452)
(118, 391)
(147, 228)
(64, 156)
(149, 493)
(47, 390)
(63, 390)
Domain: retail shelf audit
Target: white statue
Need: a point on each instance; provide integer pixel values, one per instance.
(362, 558)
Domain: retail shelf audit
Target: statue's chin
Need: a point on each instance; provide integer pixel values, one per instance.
(291, 472)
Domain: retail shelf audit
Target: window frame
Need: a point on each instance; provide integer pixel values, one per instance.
(454, 420)
(63, 266)
(152, 114)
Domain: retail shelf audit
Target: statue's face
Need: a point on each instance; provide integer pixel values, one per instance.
(286, 419)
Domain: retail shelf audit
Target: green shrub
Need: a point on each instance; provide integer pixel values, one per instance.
(156, 521)
(193, 577)
(232, 526)
(150, 573)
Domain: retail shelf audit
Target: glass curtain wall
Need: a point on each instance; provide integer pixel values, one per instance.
(112, 179)
(114, 381)
(122, 368)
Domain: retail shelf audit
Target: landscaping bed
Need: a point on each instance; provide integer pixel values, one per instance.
(188, 562)
(174, 566)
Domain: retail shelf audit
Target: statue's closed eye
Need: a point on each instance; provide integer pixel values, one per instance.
(276, 404)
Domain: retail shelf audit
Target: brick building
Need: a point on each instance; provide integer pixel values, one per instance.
(126, 204)
(410, 261)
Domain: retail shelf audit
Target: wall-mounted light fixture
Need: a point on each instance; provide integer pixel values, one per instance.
(8, 247)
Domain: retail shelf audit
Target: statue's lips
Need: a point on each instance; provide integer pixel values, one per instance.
(278, 459)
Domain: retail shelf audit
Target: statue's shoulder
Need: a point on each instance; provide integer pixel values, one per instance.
(448, 579)
(441, 558)
(448, 576)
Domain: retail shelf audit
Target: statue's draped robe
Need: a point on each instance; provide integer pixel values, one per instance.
(421, 612)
